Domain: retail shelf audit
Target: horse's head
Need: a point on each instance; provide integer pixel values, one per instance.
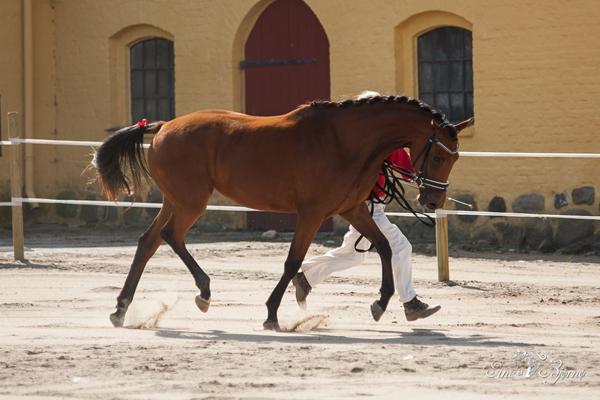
(433, 159)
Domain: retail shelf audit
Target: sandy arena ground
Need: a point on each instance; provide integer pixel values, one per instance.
(56, 340)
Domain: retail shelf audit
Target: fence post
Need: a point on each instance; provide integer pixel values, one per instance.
(441, 245)
(16, 186)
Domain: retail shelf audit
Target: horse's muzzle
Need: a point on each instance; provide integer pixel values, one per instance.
(432, 198)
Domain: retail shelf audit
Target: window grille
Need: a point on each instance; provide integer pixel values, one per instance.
(152, 80)
(446, 71)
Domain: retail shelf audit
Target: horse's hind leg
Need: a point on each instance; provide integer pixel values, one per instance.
(306, 228)
(174, 233)
(360, 218)
(147, 245)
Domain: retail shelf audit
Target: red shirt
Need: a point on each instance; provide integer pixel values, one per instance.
(399, 159)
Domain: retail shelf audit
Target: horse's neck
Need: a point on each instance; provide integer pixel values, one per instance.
(381, 130)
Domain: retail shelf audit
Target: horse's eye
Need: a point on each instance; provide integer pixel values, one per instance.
(437, 159)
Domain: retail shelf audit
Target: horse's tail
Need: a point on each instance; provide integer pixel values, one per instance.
(123, 150)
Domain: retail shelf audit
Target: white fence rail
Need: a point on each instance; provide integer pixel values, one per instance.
(440, 215)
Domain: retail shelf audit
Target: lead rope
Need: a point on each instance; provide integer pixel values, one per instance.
(393, 190)
(361, 237)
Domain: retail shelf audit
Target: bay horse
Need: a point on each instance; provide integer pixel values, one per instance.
(318, 160)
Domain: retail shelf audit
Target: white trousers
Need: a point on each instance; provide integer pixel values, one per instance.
(319, 268)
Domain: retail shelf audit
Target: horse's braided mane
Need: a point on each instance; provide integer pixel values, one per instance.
(439, 117)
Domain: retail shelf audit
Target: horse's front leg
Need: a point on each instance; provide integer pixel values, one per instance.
(307, 226)
(360, 218)
(147, 246)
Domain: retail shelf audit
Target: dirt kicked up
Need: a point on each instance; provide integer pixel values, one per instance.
(508, 328)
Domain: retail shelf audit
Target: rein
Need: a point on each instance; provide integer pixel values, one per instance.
(393, 189)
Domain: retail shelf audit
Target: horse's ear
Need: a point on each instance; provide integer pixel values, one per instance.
(462, 125)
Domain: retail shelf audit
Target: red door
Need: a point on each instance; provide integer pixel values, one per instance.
(286, 64)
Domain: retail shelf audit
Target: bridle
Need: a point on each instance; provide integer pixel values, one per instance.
(420, 178)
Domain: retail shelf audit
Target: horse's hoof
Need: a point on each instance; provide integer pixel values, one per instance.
(271, 326)
(117, 320)
(202, 304)
(302, 287)
(302, 305)
(376, 311)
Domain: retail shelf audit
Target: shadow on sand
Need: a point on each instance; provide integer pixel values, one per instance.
(463, 285)
(421, 337)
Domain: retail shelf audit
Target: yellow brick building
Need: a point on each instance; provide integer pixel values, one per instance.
(536, 87)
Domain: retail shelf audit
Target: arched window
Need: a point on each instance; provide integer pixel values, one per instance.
(446, 72)
(152, 80)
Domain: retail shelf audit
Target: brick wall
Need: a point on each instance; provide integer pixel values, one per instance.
(536, 81)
